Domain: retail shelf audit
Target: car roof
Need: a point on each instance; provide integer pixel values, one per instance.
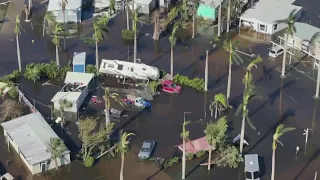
(276, 48)
(251, 162)
(146, 144)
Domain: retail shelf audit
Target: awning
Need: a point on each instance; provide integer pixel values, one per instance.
(196, 145)
(78, 78)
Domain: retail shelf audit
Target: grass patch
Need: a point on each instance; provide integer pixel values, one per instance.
(3, 12)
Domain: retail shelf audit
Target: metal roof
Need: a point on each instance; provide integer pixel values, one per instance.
(32, 135)
(305, 31)
(269, 11)
(251, 162)
(76, 77)
(79, 58)
(54, 5)
(69, 96)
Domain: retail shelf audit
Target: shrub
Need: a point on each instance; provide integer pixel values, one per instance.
(170, 162)
(196, 83)
(51, 70)
(153, 85)
(88, 161)
(190, 156)
(64, 69)
(14, 76)
(127, 34)
(33, 72)
(13, 92)
(200, 153)
(90, 68)
(162, 73)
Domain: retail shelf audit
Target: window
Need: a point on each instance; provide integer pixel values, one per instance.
(248, 175)
(275, 27)
(293, 41)
(120, 67)
(104, 65)
(110, 65)
(144, 69)
(256, 174)
(262, 27)
(280, 51)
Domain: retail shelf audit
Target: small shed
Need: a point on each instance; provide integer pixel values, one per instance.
(72, 11)
(79, 62)
(145, 6)
(30, 136)
(196, 145)
(74, 97)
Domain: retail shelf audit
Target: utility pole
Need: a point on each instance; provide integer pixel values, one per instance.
(206, 73)
(306, 133)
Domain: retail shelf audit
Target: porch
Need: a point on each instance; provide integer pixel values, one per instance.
(250, 34)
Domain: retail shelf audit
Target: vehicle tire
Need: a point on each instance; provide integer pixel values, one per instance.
(175, 93)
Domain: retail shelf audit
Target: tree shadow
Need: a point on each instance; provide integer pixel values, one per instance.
(314, 156)
(159, 57)
(217, 81)
(288, 113)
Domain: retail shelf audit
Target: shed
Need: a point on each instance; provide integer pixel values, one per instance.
(72, 11)
(196, 145)
(78, 78)
(30, 136)
(145, 6)
(76, 98)
(79, 62)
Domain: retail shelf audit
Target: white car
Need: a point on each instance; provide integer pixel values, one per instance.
(275, 51)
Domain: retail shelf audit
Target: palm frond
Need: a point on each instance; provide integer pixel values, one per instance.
(250, 123)
(239, 109)
(254, 62)
(221, 98)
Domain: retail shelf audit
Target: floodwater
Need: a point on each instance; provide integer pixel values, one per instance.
(289, 101)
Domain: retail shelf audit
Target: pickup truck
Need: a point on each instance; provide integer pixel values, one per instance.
(137, 101)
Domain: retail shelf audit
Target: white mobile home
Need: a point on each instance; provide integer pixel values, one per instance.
(30, 136)
(72, 11)
(145, 6)
(301, 38)
(263, 15)
(75, 90)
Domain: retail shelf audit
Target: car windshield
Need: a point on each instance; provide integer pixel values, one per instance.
(173, 85)
(145, 149)
(141, 101)
(256, 174)
(272, 51)
(248, 175)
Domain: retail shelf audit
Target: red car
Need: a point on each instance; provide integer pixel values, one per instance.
(171, 87)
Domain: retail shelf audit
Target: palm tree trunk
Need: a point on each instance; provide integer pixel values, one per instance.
(219, 19)
(209, 158)
(64, 31)
(228, 20)
(273, 163)
(184, 160)
(57, 55)
(283, 75)
(107, 114)
(216, 113)
(122, 164)
(97, 56)
(127, 11)
(242, 133)
(55, 163)
(18, 53)
(193, 24)
(171, 62)
(229, 78)
(135, 48)
(318, 83)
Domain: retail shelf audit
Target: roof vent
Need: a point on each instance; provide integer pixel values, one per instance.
(251, 162)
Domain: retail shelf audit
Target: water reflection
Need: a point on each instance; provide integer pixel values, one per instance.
(280, 100)
(313, 124)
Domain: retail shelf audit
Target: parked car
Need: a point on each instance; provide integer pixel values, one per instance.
(146, 149)
(116, 113)
(251, 167)
(275, 51)
(137, 101)
(171, 87)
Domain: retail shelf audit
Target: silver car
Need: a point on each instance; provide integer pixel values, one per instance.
(252, 168)
(146, 149)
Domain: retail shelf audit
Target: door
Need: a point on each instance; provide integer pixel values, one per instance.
(43, 166)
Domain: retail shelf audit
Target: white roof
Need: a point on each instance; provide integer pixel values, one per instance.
(32, 135)
(101, 3)
(69, 96)
(144, 2)
(79, 58)
(76, 77)
(305, 31)
(269, 11)
(54, 5)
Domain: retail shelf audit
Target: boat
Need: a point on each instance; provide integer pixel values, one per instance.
(124, 69)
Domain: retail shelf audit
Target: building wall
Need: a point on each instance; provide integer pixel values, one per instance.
(70, 15)
(50, 164)
(302, 44)
(80, 100)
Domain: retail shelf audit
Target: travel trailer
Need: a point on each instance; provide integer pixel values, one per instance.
(124, 69)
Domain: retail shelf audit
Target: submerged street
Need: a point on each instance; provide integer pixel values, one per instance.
(287, 101)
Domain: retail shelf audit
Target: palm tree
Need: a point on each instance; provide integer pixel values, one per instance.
(127, 13)
(230, 47)
(100, 26)
(229, 14)
(215, 135)
(196, 4)
(134, 27)
(122, 147)
(248, 80)
(48, 18)
(56, 148)
(111, 7)
(173, 40)
(17, 30)
(313, 43)
(220, 103)
(247, 96)
(185, 136)
(279, 132)
(63, 5)
(289, 31)
(219, 18)
(64, 104)
(56, 41)
(107, 98)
